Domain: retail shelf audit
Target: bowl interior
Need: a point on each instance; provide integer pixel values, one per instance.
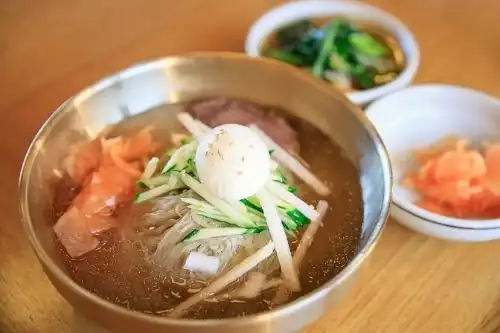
(172, 80)
(422, 115)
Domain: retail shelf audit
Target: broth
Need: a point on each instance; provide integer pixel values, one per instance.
(119, 271)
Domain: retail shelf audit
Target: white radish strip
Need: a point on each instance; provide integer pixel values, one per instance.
(201, 263)
(222, 282)
(234, 214)
(252, 286)
(150, 168)
(157, 191)
(282, 293)
(255, 285)
(278, 236)
(293, 200)
(179, 138)
(190, 124)
(244, 290)
(292, 164)
(273, 165)
(272, 283)
(202, 127)
(308, 236)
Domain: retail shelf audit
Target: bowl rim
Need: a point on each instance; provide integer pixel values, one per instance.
(296, 10)
(443, 232)
(410, 207)
(254, 319)
(427, 220)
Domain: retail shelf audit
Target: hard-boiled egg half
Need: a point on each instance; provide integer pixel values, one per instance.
(233, 162)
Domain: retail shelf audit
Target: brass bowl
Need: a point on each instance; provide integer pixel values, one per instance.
(175, 79)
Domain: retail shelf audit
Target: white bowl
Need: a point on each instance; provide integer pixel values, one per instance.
(298, 10)
(418, 116)
(435, 229)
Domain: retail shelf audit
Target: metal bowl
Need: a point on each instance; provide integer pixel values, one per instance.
(175, 79)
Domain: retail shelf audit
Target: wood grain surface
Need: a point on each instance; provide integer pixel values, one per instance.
(50, 49)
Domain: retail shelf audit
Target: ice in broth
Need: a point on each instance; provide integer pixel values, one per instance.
(158, 252)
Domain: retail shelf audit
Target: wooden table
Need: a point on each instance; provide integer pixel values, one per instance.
(52, 48)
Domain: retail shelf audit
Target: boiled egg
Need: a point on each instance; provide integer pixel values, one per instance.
(233, 162)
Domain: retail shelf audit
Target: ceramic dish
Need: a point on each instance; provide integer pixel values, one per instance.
(355, 10)
(418, 116)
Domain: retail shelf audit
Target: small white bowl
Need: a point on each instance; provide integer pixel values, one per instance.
(355, 10)
(419, 116)
(433, 228)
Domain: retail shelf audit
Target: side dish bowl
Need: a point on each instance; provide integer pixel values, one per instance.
(419, 116)
(171, 80)
(288, 13)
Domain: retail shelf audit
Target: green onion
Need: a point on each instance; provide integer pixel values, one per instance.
(285, 56)
(364, 43)
(326, 48)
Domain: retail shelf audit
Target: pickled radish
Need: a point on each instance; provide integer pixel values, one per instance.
(456, 180)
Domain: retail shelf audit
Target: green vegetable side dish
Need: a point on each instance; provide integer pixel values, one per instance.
(338, 52)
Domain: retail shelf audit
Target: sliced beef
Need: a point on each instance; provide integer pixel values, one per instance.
(221, 110)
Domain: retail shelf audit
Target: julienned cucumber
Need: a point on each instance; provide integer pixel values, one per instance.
(205, 233)
(171, 185)
(180, 160)
(237, 216)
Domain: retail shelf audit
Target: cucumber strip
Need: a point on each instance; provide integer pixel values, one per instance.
(298, 218)
(219, 232)
(150, 168)
(157, 191)
(252, 205)
(288, 214)
(191, 234)
(161, 180)
(170, 168)
(202, 206)
(205, 222)
(180, 158)
(278, 236)
(288, 222)
(207, 210)
(257, 218)
(236, 216)
(291, 199)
